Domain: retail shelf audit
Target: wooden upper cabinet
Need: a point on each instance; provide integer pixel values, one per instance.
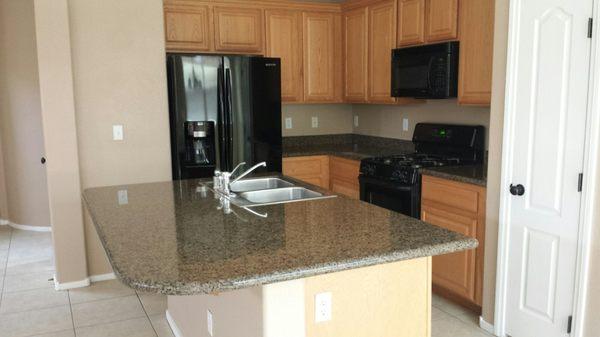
(476, 52)
(238, 29)
(320, 63)
(284, 40)
(382, 39)
(411, 22)
(356, 51)
(188, 28)
(441, 20)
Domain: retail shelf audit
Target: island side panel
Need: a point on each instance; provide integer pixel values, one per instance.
(235, 313)
(387, 300)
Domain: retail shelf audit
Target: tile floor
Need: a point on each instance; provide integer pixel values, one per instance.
(29, 305)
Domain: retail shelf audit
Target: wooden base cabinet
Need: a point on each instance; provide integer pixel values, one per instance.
(340, 175)
(458, 207)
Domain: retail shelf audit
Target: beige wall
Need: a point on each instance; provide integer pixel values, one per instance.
(386, 120)
(495, 160)
(119, 78)
(20, 116)
(333, 119)
(3, 205)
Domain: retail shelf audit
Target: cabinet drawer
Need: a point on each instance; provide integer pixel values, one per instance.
(455, 195)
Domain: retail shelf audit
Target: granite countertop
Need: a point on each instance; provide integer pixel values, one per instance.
(474, 174)
(172, 238)
(350, 146)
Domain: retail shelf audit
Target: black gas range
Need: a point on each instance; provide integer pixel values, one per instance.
(394, 182)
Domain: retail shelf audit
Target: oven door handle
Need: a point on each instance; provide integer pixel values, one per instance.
(386, 184)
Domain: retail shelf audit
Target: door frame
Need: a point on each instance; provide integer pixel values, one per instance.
(590, 193)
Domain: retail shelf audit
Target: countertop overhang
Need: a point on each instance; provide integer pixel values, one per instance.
(172, 238)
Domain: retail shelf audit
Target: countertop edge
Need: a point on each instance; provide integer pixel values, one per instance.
(188, 289)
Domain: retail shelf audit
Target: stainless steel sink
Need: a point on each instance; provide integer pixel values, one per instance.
(258, 184)
(281, 195)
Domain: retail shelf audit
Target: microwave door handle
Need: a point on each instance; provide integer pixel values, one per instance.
(429, 74)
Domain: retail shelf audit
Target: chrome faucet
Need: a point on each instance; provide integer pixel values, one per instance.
(248, 171)
(222, 179)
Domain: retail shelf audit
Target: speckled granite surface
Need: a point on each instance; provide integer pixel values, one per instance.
(476, 175)
(350, 146)
(172, 238)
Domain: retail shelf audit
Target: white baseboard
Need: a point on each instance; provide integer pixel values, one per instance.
(487, 327)
(3, 222)
(102, 277)
(71, 285)
(27, 227)
(172, 325)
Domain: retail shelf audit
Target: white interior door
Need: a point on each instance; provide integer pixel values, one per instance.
(547, 99)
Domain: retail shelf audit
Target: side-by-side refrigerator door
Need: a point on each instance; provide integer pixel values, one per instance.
(194, 109)
(253, 103)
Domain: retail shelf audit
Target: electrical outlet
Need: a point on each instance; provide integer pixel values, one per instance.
(315, 122)
(209, 322)
(356, 121)
(117, 132)
(323, 303)
(288, 123)
(122, 197)
(405, 124)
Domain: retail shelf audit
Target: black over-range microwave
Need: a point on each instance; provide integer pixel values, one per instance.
(429, 71)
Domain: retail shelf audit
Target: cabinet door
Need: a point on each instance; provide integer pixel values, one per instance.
(238, 29)
(442, 20)
(321, 67)
(187, 28)
(476, 52)
(344, 176)
(411, 22)
(453, 272)
(355, 51)
(284, 40)
(382, 38)
(312, 169)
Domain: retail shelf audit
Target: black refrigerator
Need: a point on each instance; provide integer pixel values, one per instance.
(224, 110)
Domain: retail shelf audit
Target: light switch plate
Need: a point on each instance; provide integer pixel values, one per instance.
(209, 322)
(356, 121)
(323, 306)
(118, 132)
(405, 124)
(123, 198)
(288, 123)
(315, 122)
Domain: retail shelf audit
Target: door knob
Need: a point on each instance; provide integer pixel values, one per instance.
(43, 160)
(517, 190)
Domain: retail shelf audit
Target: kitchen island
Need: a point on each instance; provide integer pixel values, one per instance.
(257, 271)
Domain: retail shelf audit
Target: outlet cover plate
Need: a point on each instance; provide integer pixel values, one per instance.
(323, 307)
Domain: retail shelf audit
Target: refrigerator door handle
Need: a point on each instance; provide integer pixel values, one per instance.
(222, 121)
(229, 116)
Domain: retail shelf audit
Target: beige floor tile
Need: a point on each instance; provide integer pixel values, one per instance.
(437, 314)
(140, 327)
(453, 327)
(33, 299)
(100, 291)
(161, 326)
(34, 322)
(106, 311)
(66, 333)
(30, 281)
(26, 267)
(153, 304)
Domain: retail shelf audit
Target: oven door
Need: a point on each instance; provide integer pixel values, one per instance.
(405, 199)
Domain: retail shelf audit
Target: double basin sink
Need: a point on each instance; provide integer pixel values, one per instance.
(270, 190)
